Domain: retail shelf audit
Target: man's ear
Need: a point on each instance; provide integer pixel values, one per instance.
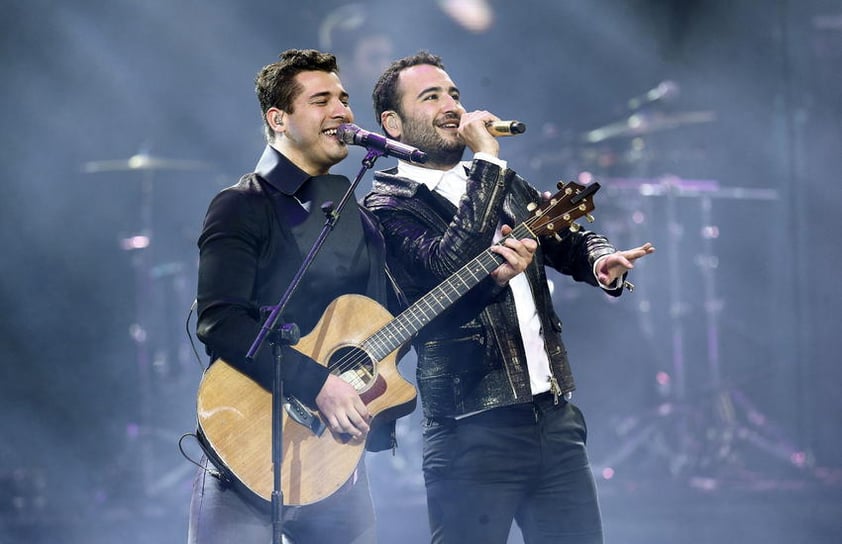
(391, 124)
(275, 119)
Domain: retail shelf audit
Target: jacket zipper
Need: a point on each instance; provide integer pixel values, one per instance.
(497, 186)
(554, 387)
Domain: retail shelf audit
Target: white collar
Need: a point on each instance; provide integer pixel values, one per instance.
(429, 176)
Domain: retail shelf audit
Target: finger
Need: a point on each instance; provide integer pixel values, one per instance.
(333, 424)
(505, 230)
(645, 249)
(359, 423)
(526, 244)
(517, 253)
(530, 244)
(510, 255)
(361, 410)
(346, 426)
(525, 252)
(636, 255)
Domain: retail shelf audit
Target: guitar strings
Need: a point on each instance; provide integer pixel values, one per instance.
(357, 357)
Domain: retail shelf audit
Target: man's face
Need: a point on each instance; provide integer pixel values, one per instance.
(309, 137)
(430, 113)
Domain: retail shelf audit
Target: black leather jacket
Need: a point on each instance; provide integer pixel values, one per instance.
(471, 357)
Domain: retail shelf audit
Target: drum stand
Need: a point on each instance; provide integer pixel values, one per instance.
(160, 294)
(698, 441)
(736, 419)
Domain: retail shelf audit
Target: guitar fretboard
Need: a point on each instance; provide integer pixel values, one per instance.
(425, 309)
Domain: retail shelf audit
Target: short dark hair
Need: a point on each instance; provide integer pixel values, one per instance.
(385, 94)
(275, 84)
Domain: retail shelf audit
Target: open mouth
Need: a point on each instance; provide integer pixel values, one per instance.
(330, 132)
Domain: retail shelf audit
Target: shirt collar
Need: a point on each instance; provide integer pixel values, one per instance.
(280, 172)
(430, 177)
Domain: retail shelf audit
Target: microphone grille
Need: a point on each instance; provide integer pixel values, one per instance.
(346, 132)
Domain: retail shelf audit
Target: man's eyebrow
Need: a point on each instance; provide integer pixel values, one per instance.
(436, 89)
(322, 94)
(327, 94)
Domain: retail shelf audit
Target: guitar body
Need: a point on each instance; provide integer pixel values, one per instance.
(235, 414)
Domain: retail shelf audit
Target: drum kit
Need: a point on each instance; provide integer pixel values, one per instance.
(692, 417)
(697, 420)
(157, 234)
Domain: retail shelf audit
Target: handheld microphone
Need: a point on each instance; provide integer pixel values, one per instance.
(505, 128)
(353, 135)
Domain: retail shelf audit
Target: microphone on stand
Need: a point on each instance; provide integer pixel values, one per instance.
(353, 135)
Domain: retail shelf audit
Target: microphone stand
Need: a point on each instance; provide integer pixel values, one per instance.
(287, 334)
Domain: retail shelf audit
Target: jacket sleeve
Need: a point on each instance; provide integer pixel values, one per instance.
(235, 229)
(575, 253)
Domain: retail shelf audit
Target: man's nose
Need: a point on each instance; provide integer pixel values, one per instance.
(343, 111)
(451, 104)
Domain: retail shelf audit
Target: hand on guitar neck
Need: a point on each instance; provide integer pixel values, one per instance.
(517, 254)
(342, 408)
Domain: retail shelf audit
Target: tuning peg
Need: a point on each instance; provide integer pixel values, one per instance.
(531, 206)
(574, 227)
(589, 217)
(560, 185)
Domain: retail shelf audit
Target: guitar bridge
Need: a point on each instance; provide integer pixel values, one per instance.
(304, 416)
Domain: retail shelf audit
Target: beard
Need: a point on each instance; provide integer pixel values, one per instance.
(423, 135)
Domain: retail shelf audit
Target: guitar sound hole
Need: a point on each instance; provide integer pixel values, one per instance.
(352, 365)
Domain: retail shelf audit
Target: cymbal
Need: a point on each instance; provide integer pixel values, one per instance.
(143, 161)
(680, 187)
(646, 123)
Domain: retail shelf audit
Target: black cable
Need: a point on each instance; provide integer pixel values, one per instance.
(210, 471)
(190, 336)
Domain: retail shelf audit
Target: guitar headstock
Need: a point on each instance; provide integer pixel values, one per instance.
(559, 212)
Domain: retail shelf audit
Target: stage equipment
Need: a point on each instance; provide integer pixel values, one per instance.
(157, 234)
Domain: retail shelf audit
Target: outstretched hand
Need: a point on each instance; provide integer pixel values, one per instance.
(518, 255)
(618, 263)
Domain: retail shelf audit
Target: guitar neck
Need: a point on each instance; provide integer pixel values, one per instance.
(398, 331)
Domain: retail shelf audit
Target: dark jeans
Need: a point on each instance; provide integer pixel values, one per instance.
(219, 515)
(524, 462)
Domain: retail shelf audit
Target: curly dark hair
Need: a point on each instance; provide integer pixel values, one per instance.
(385, 94)
(275, 84)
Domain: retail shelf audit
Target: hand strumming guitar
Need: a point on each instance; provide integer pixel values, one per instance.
(342, 408)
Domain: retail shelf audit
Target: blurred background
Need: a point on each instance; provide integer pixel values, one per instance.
(713, 126)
